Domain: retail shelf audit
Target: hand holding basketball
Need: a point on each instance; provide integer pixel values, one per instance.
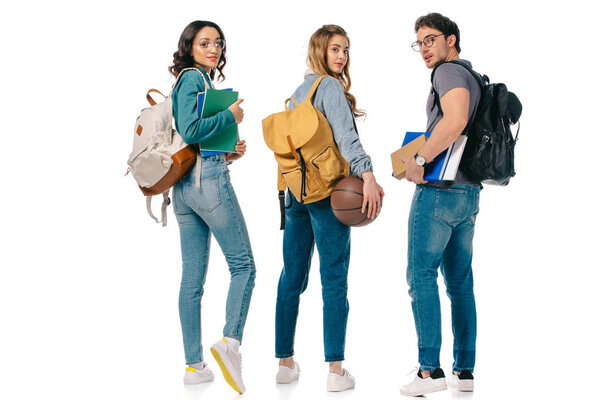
(372, 195)
(349, 204)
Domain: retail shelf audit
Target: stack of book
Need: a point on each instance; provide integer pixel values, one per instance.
(442, 168)
(210, 103)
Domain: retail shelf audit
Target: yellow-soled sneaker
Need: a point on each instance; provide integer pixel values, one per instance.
(194, 376)
(230, 361)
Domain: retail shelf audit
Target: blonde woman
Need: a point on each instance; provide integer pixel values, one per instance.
(315, 223)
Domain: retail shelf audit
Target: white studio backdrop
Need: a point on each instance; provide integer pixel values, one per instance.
(89, 283)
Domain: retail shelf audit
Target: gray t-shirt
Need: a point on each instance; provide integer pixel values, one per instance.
(449, 76)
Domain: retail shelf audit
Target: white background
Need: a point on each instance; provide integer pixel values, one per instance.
(89, 283)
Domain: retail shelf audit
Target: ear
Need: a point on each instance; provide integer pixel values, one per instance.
(451, 40)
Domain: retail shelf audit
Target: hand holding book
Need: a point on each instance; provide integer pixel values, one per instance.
(237, 111)
(442, 168)
(414, 173)
(240, 150)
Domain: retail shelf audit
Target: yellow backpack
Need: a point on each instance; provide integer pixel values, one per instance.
(309, 161)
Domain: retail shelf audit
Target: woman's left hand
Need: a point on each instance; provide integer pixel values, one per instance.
(240, 149)
(372, 195)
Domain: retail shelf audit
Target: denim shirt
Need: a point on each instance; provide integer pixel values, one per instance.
(330, 100)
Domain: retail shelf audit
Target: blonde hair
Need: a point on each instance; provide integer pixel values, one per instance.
(317, 61)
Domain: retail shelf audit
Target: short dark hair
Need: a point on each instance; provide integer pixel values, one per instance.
(183, 58)
(442, 24)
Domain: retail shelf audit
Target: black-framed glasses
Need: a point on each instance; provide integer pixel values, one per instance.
(218, 44)
(427, 41)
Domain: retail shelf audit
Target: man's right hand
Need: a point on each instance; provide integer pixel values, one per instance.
(414, 173)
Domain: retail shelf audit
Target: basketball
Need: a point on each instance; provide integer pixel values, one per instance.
(347, 200)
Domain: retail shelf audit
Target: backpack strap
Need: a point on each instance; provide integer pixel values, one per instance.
(163, 208)
(150, 99)
(207, 86)
(436, 97)
(313, 89)
(288, 100)
(481, 81)
(281, 186)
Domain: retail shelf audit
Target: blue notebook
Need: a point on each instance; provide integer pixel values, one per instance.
(445, 165)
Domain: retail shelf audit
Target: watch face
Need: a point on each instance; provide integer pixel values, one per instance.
(420, 160)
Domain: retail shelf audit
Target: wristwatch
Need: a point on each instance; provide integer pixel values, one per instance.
(420, 160)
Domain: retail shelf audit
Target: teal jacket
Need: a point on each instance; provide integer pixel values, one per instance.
(190, 126)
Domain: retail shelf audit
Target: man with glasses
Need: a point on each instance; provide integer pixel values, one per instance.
(442, 216)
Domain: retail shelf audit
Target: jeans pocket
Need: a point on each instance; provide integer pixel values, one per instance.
(450, 205)
(205, 198)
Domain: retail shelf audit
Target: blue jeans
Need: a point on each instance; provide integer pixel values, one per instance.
(306, 225)
(211, 208)
(440, 234)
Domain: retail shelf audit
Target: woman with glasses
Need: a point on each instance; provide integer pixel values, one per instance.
(315, 223)
(205, 203)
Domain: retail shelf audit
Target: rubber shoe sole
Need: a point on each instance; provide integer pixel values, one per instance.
(420, 386)
(424, 391)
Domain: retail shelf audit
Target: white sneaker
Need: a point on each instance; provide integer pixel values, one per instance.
(462, 382)
(420, 386)
(230, 361)
(286, 374)
(339, 383)
(194, 376)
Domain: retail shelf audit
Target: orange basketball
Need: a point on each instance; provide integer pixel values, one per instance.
(347, 200)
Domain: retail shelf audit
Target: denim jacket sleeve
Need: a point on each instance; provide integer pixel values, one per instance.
(190, 126)
(330, 100)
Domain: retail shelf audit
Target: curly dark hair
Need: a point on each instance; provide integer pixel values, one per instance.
(442, 24)
(183, 58)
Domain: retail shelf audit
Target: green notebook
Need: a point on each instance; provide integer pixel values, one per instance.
(216, 101)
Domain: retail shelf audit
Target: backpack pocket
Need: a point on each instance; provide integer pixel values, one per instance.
(330, 167)
(150, 165)
(293, 180)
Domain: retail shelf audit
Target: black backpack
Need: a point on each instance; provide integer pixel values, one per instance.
(489, 153)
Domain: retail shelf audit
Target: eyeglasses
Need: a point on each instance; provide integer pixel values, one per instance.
(427, 41)
(218, 44)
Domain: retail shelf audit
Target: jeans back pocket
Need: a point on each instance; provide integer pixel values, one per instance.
(205, 198)
(451, 205)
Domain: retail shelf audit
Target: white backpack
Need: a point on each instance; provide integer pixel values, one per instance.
(160, 157)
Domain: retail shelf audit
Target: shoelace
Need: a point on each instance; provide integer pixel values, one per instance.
(415, 369)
